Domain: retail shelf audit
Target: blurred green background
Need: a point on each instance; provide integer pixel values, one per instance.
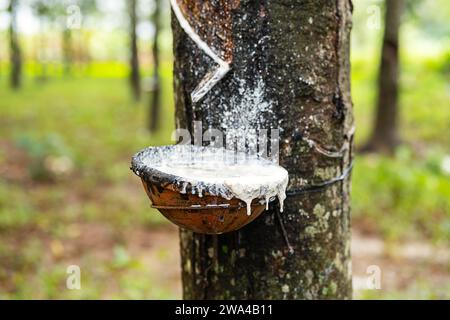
(67, 135)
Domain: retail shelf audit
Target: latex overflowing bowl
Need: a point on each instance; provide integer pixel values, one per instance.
(208, 190)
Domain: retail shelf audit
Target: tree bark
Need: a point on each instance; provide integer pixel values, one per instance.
(295, 55)
(155, 103)
(15, 51)
(385, 133)
(135, 78)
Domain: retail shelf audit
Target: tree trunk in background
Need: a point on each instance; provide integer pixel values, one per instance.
(15, 52)
(67, 50)
(385, 133)
(135, 79)
(155, 101)
(293, 59)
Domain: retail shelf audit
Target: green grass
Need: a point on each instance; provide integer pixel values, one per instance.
(93, 125)
(403, 197)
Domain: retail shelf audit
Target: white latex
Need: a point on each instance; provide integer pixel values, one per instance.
(247, 178)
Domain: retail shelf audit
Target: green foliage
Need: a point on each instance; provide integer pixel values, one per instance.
(49, 156)
(122, 260)
(405, 196)
(15, 208)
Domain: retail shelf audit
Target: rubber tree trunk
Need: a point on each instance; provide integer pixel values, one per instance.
(15, 51)
(155, 101)
(135, 78)
(385, 133)
(290, 61)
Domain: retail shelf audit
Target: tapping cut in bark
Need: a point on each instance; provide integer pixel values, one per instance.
(195, 18)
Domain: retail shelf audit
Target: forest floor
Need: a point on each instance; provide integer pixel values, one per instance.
(67, 196)
(144, 263)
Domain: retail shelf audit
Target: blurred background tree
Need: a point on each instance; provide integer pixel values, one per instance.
(15, 51)
(155, 102)
(135, 78)
(385, 133)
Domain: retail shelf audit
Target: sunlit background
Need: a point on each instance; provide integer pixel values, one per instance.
(67, 196)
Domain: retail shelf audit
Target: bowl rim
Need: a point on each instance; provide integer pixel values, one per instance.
(175, 182)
